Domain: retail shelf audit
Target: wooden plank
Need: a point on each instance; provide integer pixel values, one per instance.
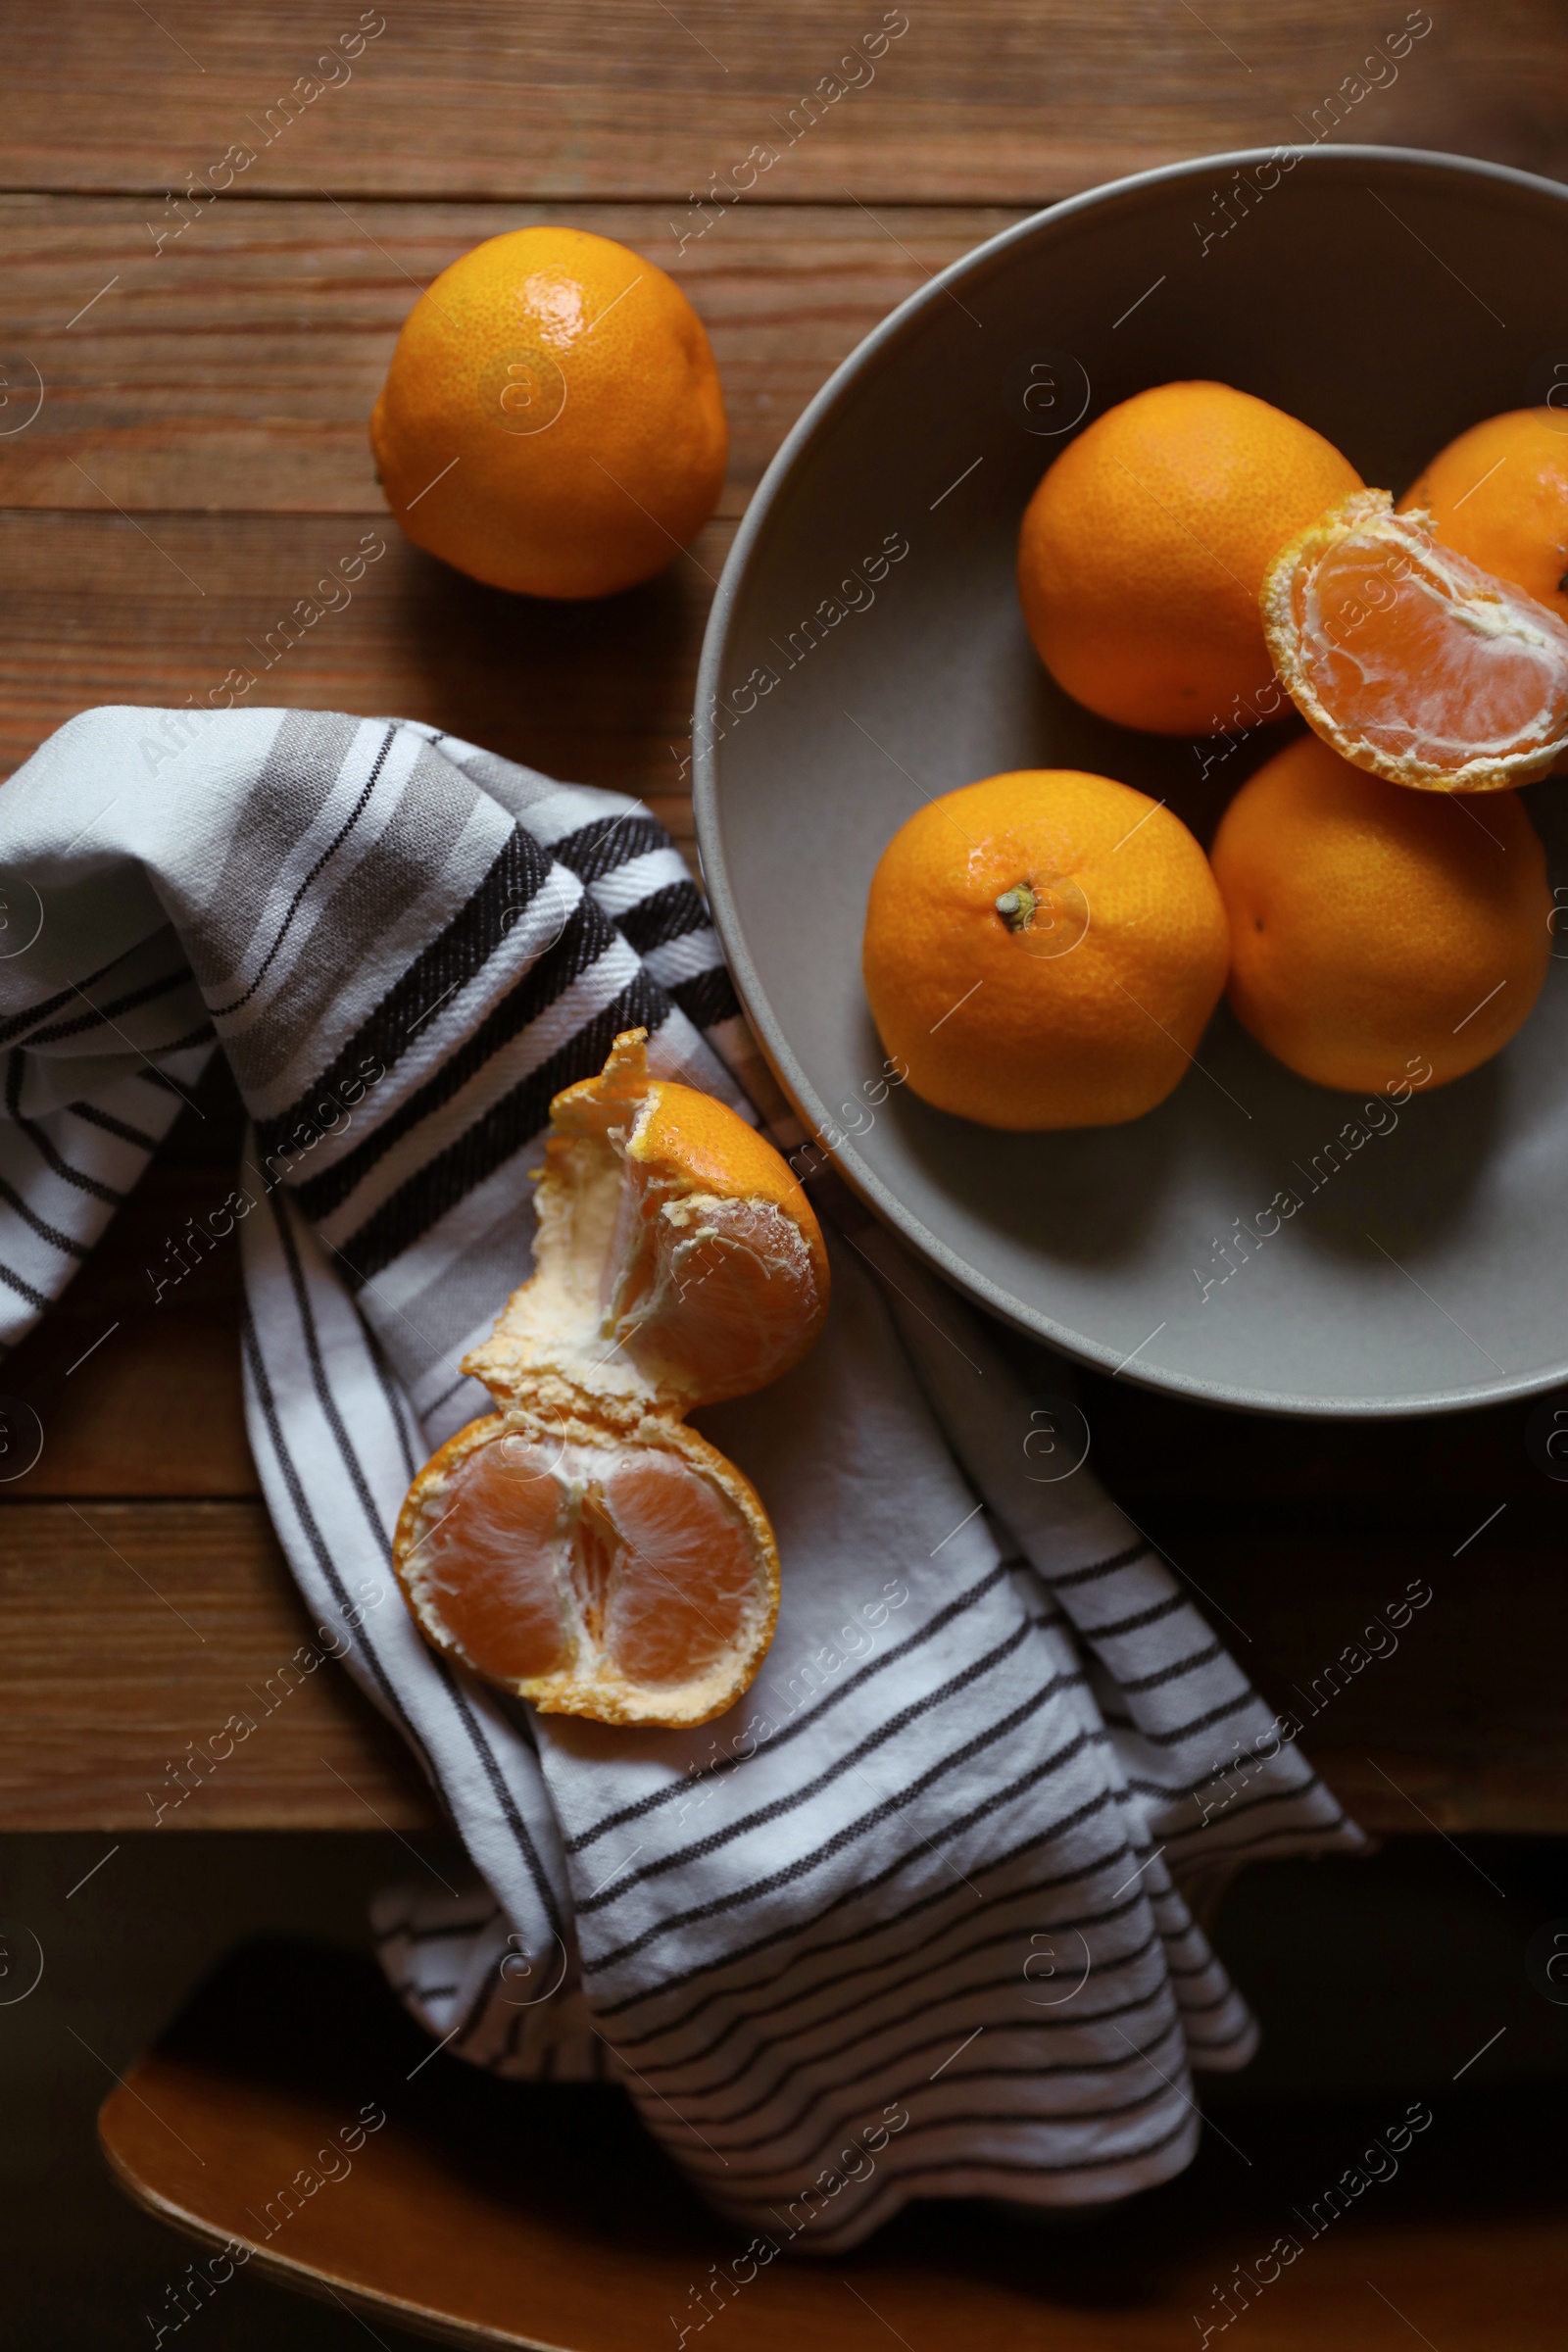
(138, 1392)
(137, 1389)
(1448, 1717)
(1294, 1536)
(973, 101)
(101, 609)
(236, 370)
(242, 378)
(140, 1639)
(136, 1628)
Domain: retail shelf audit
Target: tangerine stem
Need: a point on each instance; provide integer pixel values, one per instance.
(1016, 907)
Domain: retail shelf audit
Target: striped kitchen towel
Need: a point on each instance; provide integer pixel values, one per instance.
(917, 1918)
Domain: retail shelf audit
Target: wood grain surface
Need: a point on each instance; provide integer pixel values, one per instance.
(208, 349)
(157, 608)
(161, 1674)
(235, 370)
(977, 101)
(138, 1631)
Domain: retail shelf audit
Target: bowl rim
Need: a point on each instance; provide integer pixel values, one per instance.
(862, 1180)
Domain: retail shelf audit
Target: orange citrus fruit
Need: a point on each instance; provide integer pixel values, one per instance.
(1376, 932)
(581, 1545)
(1043, 950)
(551, 421)
(1499, 495)
(1408, 658)
(1143, 550)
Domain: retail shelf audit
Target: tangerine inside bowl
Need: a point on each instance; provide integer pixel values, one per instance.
(867, 651)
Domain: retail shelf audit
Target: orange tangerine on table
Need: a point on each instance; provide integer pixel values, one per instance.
(1043, 948)
(1499, 494)
(1374, 929)
(1144, 547)
(551, 421)
(582, 1546)
(1411, 661)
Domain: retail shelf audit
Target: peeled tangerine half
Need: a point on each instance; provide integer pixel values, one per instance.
(582, 1546)
(1410, 659)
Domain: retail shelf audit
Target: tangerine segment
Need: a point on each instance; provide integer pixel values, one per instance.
(681, 1580)
(677, 1259)
(489, 1569)
(1379, 937)
(720, 1296)
(632, 1581)
(1409, 659)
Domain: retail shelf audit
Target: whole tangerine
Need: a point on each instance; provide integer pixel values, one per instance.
(1043, 950)
(1499, 494)
(552, 421)
(1375, 930)
(1144, 547)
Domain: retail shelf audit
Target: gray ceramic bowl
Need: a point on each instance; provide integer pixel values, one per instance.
(1389, 298)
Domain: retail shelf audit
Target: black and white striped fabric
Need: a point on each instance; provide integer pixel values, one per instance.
(917, 1917)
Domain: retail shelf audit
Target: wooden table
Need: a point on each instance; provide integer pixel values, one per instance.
(199, 457)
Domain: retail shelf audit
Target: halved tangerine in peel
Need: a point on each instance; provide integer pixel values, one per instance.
(1411, 661)
(582, 1546)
